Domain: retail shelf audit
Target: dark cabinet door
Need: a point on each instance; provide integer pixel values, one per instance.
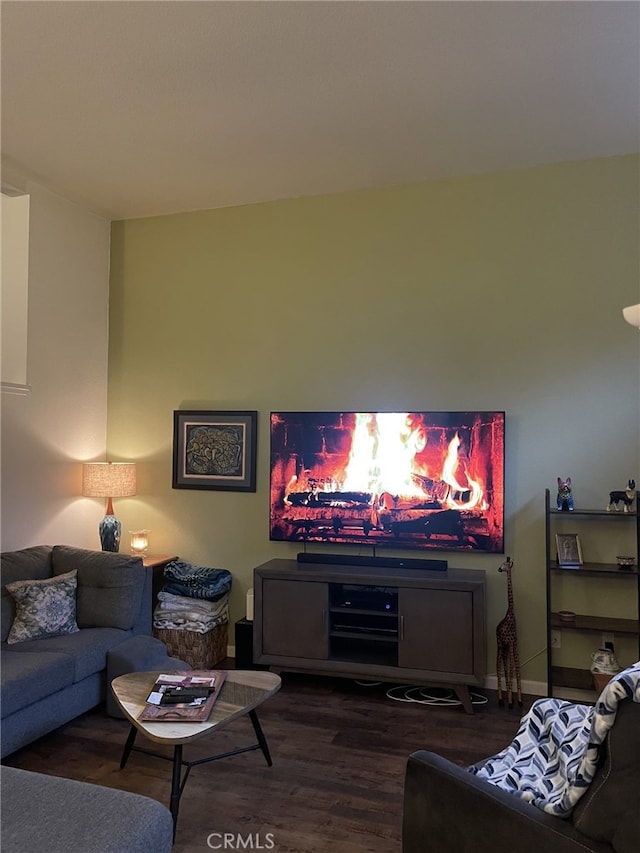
(294, 618)
(436, 630)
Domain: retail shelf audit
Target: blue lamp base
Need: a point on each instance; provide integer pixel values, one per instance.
(110, 530)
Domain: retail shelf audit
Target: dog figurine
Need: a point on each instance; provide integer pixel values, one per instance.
(625, 497)
(564, 501)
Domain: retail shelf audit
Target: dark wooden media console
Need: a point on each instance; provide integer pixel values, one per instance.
(408, 626)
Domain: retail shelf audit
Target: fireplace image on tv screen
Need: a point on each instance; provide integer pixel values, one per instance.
(410, 480)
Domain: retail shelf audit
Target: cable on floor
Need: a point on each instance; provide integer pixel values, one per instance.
(431, 696)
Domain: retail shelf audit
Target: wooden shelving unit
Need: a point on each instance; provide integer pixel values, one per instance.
(576, 678)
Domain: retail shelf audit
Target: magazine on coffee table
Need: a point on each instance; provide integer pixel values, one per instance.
(183, 696)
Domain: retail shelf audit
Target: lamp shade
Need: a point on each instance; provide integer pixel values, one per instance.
(108, 479)
(632, 315)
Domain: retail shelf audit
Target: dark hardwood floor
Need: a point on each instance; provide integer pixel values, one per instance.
(339, 751)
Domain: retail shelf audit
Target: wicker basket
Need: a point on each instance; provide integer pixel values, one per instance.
(201, 651)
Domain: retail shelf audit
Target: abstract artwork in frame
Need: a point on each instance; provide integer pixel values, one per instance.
(215, 450)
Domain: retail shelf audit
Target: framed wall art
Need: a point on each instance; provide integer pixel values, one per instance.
(215, 450)
(569, 550)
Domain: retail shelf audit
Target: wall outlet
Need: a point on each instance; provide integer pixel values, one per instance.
(556, 639)
(608, 642)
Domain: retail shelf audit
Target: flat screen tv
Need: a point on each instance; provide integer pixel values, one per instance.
(408, 480)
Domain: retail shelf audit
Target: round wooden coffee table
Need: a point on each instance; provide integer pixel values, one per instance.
(242, 692)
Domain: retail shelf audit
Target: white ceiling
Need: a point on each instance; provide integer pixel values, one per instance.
(153, 107)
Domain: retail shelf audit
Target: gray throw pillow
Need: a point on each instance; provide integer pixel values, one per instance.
(110, 586)
(44, 608)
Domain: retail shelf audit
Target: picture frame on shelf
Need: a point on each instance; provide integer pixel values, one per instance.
(215, 450)
(569, 550)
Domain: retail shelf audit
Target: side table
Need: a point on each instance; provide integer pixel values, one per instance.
(157, 563)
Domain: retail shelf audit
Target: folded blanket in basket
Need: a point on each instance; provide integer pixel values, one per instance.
(188, 620)
(190, 614)
(196, 581)
(169, 601)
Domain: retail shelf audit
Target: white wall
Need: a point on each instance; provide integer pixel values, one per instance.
(62, 419)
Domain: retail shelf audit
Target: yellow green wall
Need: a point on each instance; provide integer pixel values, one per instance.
(502, 291)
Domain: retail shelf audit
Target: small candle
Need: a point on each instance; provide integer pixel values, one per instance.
(139, 542)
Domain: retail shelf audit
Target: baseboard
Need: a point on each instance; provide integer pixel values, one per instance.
(531, 688)
(539, 688)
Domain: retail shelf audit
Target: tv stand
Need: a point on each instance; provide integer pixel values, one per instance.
(379, 562)
(410, 626)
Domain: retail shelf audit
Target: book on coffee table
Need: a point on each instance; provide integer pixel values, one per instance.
(183, 696)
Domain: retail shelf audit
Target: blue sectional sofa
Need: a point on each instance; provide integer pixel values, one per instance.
(46, 682)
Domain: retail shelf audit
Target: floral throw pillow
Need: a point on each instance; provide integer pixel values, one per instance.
(44, 608)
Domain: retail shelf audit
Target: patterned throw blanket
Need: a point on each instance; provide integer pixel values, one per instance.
(196, 581)
(554, 755)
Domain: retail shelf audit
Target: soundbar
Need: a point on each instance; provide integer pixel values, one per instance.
(374, 562)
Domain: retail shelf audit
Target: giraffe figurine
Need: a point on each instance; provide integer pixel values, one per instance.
(508, 662)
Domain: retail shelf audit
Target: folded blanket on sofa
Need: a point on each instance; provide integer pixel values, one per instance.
(554, 755)
(196, 581)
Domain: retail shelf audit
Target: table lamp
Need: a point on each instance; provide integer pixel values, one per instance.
(109, 480)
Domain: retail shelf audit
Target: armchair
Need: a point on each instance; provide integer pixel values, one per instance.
(448, 809)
